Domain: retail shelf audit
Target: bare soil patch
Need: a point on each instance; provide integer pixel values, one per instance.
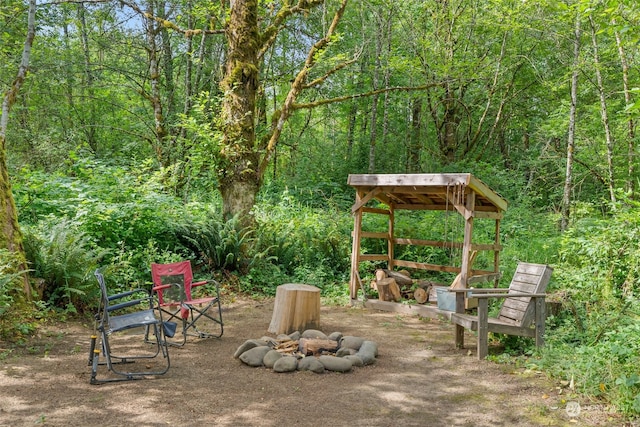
(419, 379)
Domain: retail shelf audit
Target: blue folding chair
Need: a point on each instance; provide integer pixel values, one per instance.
(118, 318)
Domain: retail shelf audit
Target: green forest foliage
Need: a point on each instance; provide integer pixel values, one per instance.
(97, 187)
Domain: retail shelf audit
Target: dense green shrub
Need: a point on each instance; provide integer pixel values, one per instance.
(10, 281)
(310, 245)
(596, 339)
(64, 257)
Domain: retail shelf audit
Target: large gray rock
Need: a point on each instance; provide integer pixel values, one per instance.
(270, 358)
(286, 364)
(368, 352)
(314, 334)
(355, 360)
(335, 336)
(255, 355)
(351, 342)
(295, 336)
(336, 364)
(248, 345)
(310, 364)
(345, 351)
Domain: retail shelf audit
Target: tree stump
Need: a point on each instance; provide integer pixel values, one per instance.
(296, 308)
(388, 290)
(420, 295)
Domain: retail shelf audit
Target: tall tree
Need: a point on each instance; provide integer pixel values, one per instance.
(603, 110)
(11, 236)
(244, 157)
(571, 134)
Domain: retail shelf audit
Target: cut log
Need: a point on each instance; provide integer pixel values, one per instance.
(420, 295)
(401, 279)
(425, 284)
(296, 308)
(315, 346)
(380, 274)
(388, 290)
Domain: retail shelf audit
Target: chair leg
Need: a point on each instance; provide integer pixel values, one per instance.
(540, 316)
(120, 374)
(197, 313)
(92, 348)
(483, 328)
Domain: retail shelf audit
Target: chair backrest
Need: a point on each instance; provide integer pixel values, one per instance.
(529, 279)
(174, 273)
(103, 313)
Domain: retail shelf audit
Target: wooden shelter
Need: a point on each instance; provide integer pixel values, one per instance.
(459, 193)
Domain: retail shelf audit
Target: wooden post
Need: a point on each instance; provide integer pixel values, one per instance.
(296, 308)
(483, 328)
(390, 242)
(496, 254)
(469, 211)
(354, 281)
(540, 317)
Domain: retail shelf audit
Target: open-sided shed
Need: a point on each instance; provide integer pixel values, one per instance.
(460, 193)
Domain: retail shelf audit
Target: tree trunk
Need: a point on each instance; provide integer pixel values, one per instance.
(566, 198)
(11, 236)
(603, 112)
(631, 126)
(154, 78)
(88, 122)
(415, 138)
(238, 175)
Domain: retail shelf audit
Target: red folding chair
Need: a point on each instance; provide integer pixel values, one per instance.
(200, 316)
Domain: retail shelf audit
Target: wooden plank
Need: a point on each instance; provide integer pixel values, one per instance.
(374, 257)
(483, 190)
(374, 235)
(427, 310)
(375, 210)
(354, 279)
(425, 266)
(500, 328)
(432, 243)
(483, 329)
(418, 179)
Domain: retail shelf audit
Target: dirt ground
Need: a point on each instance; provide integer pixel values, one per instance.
(419, 379)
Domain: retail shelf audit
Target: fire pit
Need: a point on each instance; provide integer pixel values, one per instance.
(310, 350)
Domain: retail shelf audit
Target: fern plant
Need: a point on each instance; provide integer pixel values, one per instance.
(64, 259)
(10, 280)
(222, 245)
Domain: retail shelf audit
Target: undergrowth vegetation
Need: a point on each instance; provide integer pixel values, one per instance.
(102, 216)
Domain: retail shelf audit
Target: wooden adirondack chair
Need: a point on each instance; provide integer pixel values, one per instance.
(522, 312)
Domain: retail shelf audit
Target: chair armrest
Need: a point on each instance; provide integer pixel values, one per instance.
(480, 290)
(125, 304)
(506, 295)
(128, 303)
(126, 294)
(202, 282)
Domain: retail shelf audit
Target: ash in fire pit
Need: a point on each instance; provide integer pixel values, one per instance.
(310, 350)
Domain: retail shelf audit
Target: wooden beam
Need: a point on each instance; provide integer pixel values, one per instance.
(374, 257)
(375, 210)
(364, 200)
(374, 235)
(425, 266)
(482, 189)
